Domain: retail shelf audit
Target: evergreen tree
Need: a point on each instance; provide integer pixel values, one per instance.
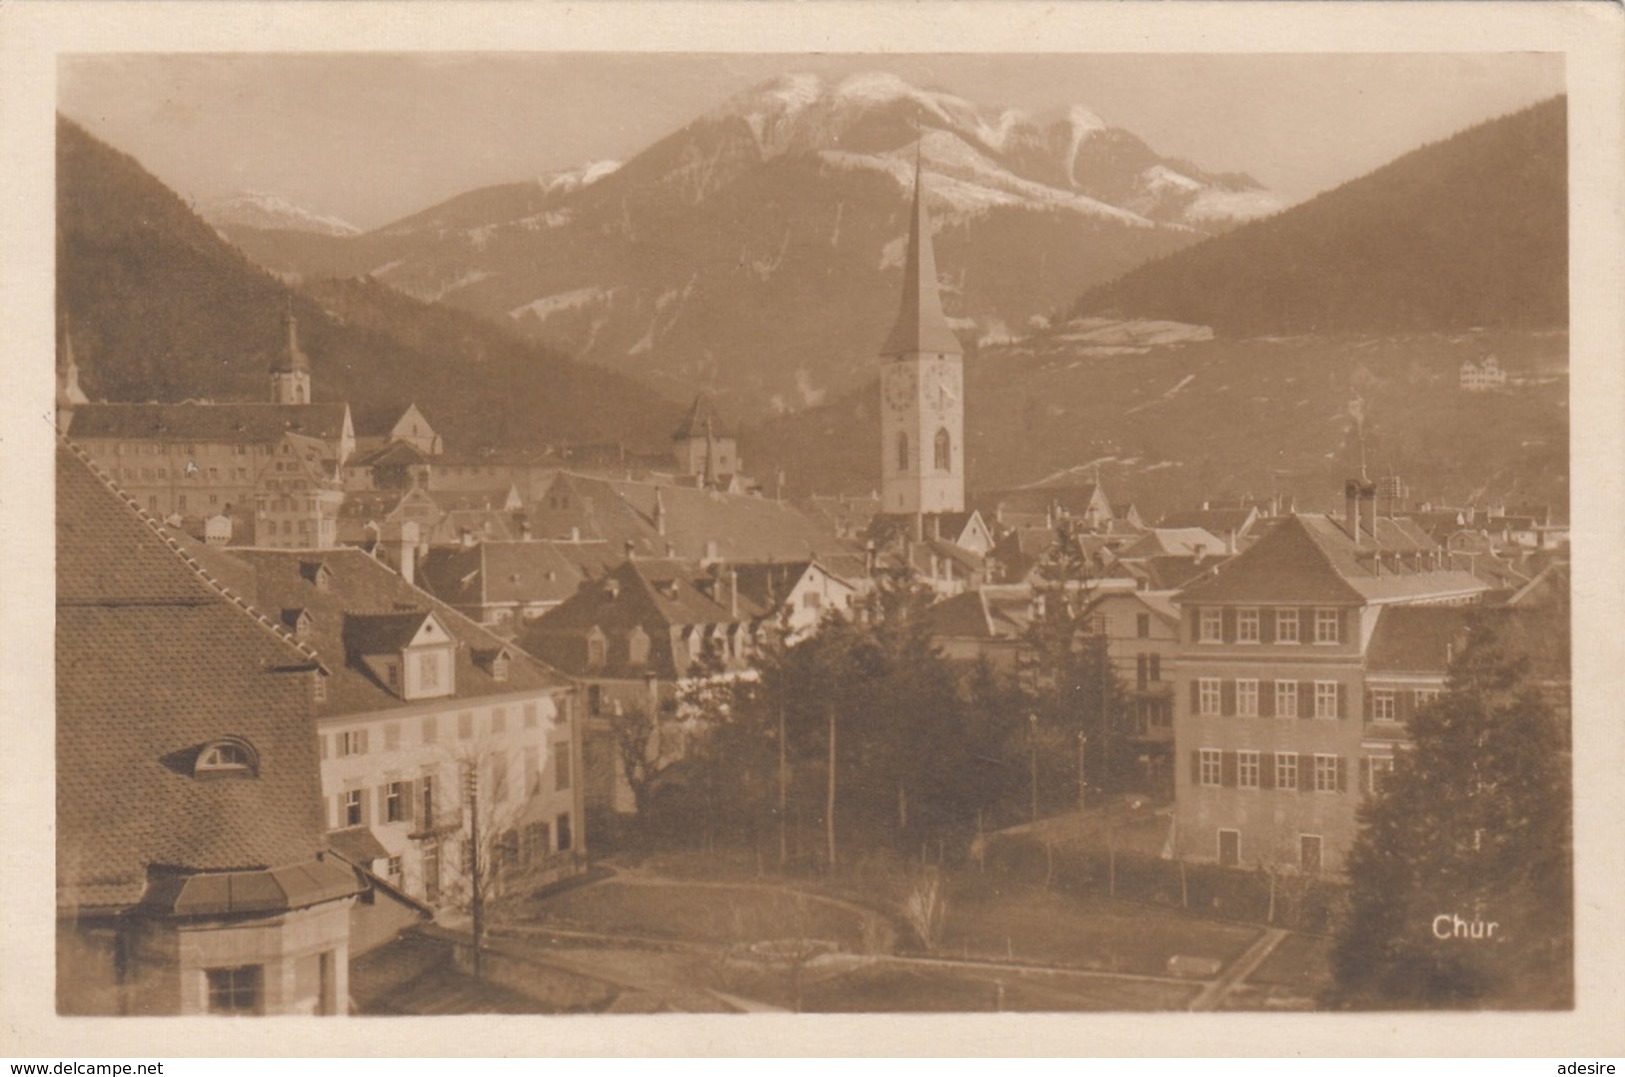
(1474, 823)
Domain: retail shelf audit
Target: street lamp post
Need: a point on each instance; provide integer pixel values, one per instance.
(1083, 780)
(1032, 751)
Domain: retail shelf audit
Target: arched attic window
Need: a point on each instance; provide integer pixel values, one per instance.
(902, 451)
(228, 757)
(944, 447)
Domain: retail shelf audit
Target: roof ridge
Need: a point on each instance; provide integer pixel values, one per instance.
(203, 574)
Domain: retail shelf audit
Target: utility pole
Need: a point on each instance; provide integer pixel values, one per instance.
(829, 795)
(1083, 780)
(1032, 752)
(471, 791)
(784, 796)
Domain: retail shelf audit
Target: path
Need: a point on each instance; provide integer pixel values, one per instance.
(1238, 970)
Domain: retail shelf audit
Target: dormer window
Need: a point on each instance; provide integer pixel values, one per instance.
(499, 667)
(226, 758)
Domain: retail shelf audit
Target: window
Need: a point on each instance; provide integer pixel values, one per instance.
(1382, 705)
(812, 600)
(431, 873)
(595, 700)
(1309, 853)
(1207, 695)
(538, 838)
(499, 666)
(1378, 768)
(1142, 625)
(1328, 626)
(351, 742)
(392, 674)
(235, 990)
(318, 684)
(1229, 848)
(561, 766)
(562, 825)
(1142, 670)
(431, 729)
(1247, 770)
(352, 808)
(499, 779)
(428, 672)
(392, 736)
(392, 870)
(225, 757)
(530, 716)
(1211, 760)
(180, 502)
(1247, 698)
(1286, 770)
(1210, 628)
(426, 786)
(1325, 699)
(1156, 667)
(902, 451)
(465, 726)
(1424, 696)
(1326, 773)
(395, 794)
(1286, 626)
(1286, 699)
(1247, 626)
(595, 651)
(942, 447)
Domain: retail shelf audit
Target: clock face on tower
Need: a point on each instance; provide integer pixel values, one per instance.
(942, 388)
(900, 387)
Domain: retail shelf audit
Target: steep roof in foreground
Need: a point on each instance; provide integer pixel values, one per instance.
(155, 659)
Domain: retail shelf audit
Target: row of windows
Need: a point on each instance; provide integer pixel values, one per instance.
(356, 741)
(1309, 850)
(161, 448)
(1304, 772)
(161, 474)
(942, 450)
(1251, 698)
(1252, 624)
(415, 800)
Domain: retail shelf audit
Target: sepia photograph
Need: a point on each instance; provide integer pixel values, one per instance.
(718, 531)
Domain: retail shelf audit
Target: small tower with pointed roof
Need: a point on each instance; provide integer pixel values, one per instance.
(290, 374)
(922, 409)
(68, 393)
(703, 447)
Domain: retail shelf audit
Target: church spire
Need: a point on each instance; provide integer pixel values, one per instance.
(68, 392)
(921, 325)
(290, 374)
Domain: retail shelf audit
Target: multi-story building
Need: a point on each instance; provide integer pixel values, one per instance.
(192, 868)
(1271, 682)
(1141, 630)
(298, 496)
(425, 719)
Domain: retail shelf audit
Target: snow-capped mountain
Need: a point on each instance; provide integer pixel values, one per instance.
(758, 249)
(262, 210)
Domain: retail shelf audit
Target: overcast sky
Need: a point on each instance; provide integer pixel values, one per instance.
(371, 138)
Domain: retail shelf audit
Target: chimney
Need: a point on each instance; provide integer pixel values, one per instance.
(660, 512)
(465, 538)
(869, 558)
(630, 548)
(1368, 508)
(575, 534)
(400, 543)
(524, 528)
(1351, 509)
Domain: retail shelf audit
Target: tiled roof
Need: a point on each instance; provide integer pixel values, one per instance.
(238, 424)
(155, 659)
(381, 633)
(1312, 558)
(1217, 521)
(743, 527)
(359, 586)
(395, 454)
(766, 583)
(489, 572)
(1417, 639)
(491, 497)
(657, 595)
(489, 525)
(1178, 541)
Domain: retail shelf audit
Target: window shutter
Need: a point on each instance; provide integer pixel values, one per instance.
(1229, 625)
(1306, 624)
(1196, 697)
(1266, 770)
(1196, 766)
(1227, 769)
(1196, 624)
(1345, 625)
(1306, 772)
(1266, 625)
(1342, 700)
(1367, 701)
(1406, 706)
(321, 740)
(1306, 699)
(366, 806)
(1266, 699)
(1341, 782)
(361, 748)
(383, 803)
(1227, 697)
(409, 793)
(1365, 773)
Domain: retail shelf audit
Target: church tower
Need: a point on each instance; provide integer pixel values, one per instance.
(922, 409)
(290, 376)
(68, 393)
